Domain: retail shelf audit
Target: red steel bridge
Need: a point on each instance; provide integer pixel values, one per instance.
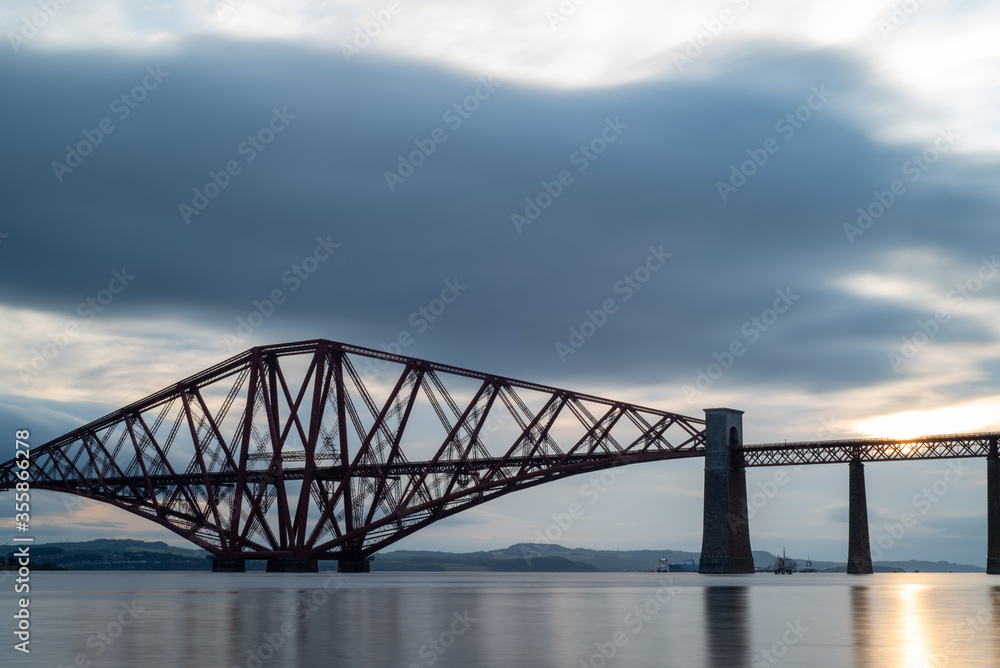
(316, 450)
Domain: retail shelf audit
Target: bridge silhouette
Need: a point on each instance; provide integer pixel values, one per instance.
(315, 450)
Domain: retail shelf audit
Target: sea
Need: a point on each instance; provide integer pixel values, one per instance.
(573, 620)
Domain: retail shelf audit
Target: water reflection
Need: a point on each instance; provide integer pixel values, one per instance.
(995, 618)
(512, 621)
(861, 625)
(915, 624)
(912, 627)
(726, 621)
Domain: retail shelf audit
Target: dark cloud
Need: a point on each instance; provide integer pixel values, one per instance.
(323, 177)
(44, 419)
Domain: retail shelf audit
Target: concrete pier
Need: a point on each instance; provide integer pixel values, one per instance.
(229, 566)
(725, 546)
(859, 551)
(993, 510)
(292, 566)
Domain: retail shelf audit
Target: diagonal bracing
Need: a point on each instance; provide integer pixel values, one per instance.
(320, 449)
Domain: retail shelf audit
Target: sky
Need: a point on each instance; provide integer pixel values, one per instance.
(786, 208)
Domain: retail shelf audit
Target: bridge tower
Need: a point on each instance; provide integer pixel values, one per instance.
(725, 546)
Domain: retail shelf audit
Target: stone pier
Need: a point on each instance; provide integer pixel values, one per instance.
(725, 546)
(229, 566)
(859, 551)
(292, 566)
(361, 565)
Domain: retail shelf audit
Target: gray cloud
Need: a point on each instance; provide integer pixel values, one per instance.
(323, 176)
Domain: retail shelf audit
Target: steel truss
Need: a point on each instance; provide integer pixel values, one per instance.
(291, 451)
(947, 446)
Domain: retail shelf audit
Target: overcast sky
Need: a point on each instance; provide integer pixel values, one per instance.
(811, 184)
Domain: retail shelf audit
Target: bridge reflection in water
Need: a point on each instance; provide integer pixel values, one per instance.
(727, 624)
(499, 620)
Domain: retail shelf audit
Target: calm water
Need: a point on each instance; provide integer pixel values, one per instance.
(256, 620)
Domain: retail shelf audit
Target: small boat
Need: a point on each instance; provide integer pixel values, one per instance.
(809, 566)
(687, 567)
(663, 566)
(784, 565)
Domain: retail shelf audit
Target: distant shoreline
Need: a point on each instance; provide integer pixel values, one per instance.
(135, 555)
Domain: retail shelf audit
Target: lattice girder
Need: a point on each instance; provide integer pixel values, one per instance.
(290, 451)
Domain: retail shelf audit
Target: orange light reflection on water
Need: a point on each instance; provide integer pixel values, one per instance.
(913, 627)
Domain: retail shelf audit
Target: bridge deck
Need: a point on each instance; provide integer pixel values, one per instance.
(944, 446)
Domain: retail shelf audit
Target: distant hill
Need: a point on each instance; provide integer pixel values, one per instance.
(525, 553)
(913, 566)
(499, 561)
(117, 555)
(137, 555)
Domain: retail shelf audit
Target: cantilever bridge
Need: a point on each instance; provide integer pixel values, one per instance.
(322, 450)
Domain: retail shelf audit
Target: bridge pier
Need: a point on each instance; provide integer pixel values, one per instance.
(229, 566)
(360, 565)
(859, 550)
(725, 546)
(292, 565)
(993, 510)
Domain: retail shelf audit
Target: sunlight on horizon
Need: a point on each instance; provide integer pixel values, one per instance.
(950, 420)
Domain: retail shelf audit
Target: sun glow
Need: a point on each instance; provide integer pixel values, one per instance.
(951, 420)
